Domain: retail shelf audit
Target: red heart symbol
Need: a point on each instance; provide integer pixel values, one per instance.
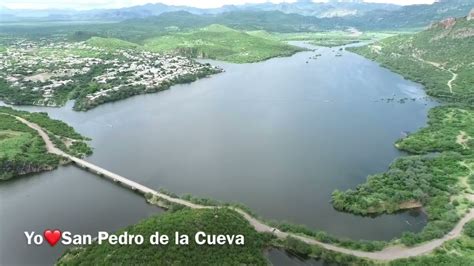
(52, 236)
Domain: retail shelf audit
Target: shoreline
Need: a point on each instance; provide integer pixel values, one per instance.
(389, 253)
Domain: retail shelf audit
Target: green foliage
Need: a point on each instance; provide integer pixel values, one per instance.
(298, 246)
(432, 57)
(450, 128)
(283, 226)
(431, 180)
(56, 127)
(329, 239)
(222, 43)
(83, 104)
(469, 229)
(80, 149)
(111, 43)
(454, 252)
(188, 222)
(11, 95)
(409, 179)
(22, 151)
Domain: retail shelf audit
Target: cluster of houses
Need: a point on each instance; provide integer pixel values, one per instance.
(45, 68)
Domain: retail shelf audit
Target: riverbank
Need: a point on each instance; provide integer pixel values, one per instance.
(433, 174)
(461, 207)
(21, 148)
(265, 108)
(387, 254)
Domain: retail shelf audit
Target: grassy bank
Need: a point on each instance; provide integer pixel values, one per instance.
(186, 222)
(439, 58)
(334, 38)
(454, 252)
(22, 150)
(438, 175)
(221, 43)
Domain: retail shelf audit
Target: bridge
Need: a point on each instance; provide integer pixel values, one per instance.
(104, 172)
(387, 254)
(129, 183)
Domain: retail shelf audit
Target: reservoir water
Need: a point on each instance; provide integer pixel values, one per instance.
(278, 136)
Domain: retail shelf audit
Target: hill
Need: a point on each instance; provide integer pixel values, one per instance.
(282, 17)
(111, 43)
(440, 58)
(438, 173)
(186, 222)
(410, 16)
(222, 43)
(307, 8)
(22, 150)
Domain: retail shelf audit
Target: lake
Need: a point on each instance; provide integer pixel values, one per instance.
(278, 136)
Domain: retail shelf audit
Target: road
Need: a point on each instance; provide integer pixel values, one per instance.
(387, 254)
(438, 66)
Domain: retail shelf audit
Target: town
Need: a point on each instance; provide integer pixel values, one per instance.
(50, 73)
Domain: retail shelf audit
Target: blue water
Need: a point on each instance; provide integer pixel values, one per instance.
(278, 136)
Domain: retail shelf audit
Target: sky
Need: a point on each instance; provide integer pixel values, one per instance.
(92, 4)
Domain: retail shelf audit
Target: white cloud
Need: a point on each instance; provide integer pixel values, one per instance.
(91, 4)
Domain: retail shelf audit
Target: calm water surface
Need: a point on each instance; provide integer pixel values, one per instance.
(278, 136)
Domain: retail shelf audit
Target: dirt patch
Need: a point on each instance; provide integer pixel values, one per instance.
(411, 204)
(39, 77)
(463, 139)
(376, 49)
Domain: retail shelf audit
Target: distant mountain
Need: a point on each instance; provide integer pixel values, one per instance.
(413, 15)
(257, 17)
(333, 8)
(302, 15)
(273, 21)
(302, 7)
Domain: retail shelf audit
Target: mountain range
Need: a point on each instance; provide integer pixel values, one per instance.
(302, 15)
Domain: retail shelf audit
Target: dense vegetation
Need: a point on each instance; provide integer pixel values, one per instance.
(437, 181)
(111, 43)
(449, 129)
(222, 43)
(304, 250)
(439, 176)
(22, 150)
(11, 95)
(439, 58)
(459, 251)
(117, 73)
(90, 86)
(299, 16)
(188, 222)
(56, 127)
(214, 42)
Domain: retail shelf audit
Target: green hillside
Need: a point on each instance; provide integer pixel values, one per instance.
(222, 43)
(440, 58)
(186, 222)
(111, 43)
(22, 150)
